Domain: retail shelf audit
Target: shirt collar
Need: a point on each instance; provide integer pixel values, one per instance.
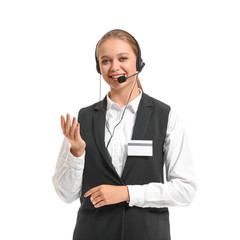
(132, 106)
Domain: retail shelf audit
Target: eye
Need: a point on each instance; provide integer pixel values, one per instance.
(123, 59)
(105, 61)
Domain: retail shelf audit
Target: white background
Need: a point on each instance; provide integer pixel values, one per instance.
(47, 68)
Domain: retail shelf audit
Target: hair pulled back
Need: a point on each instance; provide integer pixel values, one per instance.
(122, 35)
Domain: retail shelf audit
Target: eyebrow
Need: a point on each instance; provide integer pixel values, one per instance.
(117, 55)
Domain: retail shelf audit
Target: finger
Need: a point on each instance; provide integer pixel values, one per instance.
(67, 124)
(77, 132)
(87, 193)
(91, 191)
(96, 200)
(63, 124)
(72, 128)
(100, 204)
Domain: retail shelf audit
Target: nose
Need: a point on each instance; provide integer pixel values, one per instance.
(115, 66)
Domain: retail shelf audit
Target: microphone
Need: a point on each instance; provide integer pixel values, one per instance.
(123, 79)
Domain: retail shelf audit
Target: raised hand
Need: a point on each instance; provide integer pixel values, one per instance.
(72, 133)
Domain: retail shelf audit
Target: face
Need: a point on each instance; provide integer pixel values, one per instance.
(117, 58)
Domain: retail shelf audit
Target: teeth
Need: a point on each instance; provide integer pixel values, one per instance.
(117, 76)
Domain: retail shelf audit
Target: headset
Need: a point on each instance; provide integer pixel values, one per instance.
(139, 64)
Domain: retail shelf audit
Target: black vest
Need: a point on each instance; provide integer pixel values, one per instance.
(120, 221)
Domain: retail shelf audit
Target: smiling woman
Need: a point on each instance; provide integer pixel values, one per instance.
(116, 61)
(128, 51)
(115, 162)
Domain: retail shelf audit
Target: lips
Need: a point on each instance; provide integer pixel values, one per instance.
(115, 76)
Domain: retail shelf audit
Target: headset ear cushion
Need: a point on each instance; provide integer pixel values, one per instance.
(97, 66)
(140, 64)
(97, 62)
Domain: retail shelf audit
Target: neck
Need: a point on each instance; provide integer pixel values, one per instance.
(121, 96)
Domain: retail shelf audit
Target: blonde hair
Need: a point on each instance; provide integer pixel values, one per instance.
(125, 36)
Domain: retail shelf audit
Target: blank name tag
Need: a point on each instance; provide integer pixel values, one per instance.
(140, 148)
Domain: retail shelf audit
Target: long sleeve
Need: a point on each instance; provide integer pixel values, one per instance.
(180, 187)
(67, 178)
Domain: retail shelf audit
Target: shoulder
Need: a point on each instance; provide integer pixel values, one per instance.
(89, 108)
(88, 111)
(175, 122)
(156, 102)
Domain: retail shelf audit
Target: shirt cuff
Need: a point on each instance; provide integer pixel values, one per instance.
(136, 193)
(76, 162)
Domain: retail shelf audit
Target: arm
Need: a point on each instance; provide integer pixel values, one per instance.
(180, 187)
(67, 178)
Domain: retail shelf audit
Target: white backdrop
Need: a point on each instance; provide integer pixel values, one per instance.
(47, 68)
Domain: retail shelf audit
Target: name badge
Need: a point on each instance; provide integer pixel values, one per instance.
(140, 148)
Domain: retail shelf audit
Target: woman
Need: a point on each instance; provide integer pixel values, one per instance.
(120, 182)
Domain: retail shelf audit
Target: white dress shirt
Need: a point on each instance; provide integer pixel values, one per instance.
(180, 186)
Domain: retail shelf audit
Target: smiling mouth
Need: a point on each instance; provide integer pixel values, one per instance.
(116, 76)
